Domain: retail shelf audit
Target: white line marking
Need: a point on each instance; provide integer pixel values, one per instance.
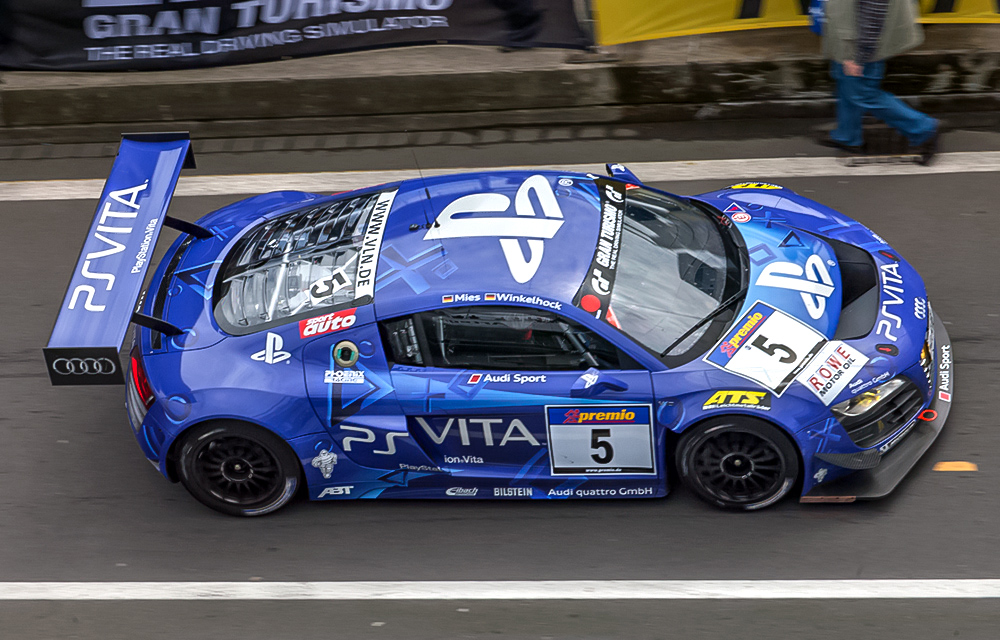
(514, 590)
(731, 170)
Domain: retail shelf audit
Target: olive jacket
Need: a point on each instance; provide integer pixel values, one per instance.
(900, 31)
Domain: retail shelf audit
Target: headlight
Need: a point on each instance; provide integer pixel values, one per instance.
(848, 410)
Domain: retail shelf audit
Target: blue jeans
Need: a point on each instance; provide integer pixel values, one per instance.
(857, 95)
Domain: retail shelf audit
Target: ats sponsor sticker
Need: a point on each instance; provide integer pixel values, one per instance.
(832, 369)
(739, 400)
(600, 439)
(754, 185)
(327, 324)
(767, 346)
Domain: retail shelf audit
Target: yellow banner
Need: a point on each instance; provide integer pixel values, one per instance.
(621, 21)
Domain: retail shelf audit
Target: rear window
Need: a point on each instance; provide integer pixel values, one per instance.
(308, 260)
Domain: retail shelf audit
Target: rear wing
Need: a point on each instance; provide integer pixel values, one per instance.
(107, 281)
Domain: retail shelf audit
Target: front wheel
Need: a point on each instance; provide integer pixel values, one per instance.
(737, 462)
(238, 469)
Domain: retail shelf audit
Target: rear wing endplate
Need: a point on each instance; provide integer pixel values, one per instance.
(107, 281)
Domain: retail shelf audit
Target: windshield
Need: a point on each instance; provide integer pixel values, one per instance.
(676, 264)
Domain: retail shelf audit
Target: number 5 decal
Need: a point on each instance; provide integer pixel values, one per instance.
(770, 349)
(604, 445)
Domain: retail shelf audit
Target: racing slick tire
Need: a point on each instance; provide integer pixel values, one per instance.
(238, 469)
(737, 462)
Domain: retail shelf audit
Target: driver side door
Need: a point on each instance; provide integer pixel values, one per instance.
(517, 392)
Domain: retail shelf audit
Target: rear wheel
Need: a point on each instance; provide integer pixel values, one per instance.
(238, 469)
(737, 462)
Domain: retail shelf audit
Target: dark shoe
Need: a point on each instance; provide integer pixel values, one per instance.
(928, 149)
(827, 141)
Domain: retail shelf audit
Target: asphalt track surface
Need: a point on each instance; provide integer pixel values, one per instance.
(79, 502)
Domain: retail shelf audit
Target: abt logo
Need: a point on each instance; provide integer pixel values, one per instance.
(336, 491)
(527, 225)
(272, 353)
(813, 282)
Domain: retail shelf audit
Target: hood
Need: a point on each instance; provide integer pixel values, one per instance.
(791, 268)
(833, 274)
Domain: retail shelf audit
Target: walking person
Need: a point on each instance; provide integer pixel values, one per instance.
(858, 37)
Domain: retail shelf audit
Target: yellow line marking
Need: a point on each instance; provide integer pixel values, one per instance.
(957, 465)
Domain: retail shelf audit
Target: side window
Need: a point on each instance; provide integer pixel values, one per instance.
(499, 338)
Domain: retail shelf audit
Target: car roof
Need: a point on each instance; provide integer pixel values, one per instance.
(449, 239)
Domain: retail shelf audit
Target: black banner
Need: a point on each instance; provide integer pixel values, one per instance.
(594, 295)
(110, 35)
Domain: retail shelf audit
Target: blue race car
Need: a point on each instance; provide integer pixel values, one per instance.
(505, 335)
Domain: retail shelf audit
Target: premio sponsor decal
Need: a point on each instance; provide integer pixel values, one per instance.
(600, 439)
(767, 346)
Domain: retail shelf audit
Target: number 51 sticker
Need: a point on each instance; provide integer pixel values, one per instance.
(767, 346)
(600, 439)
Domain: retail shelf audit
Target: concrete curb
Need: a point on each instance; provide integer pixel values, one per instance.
(532, 91)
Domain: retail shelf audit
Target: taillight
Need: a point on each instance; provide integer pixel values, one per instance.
(139, 379)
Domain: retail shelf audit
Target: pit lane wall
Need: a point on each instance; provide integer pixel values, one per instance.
(621, 21)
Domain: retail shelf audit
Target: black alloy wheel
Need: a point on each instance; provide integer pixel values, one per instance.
(238, 469)
(737, 462)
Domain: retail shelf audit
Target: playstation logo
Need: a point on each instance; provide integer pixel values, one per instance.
(272, 353)
(527, 225)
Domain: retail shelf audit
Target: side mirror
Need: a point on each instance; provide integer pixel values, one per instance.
(620, 171)
(592, 382)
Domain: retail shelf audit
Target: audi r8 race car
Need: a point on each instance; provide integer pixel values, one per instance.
(504, 335)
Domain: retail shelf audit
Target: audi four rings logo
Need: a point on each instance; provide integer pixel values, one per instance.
(920, 308)
(84, 366)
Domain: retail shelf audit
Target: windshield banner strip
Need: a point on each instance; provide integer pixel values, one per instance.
(594, 295)
(371, 246)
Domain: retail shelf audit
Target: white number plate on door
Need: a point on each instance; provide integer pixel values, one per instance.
(767, 346)
(601, 439)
